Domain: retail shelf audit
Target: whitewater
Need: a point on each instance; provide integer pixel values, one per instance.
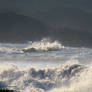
(45, 66)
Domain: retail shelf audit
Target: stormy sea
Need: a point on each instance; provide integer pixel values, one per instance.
(45, 66)
(46, 45)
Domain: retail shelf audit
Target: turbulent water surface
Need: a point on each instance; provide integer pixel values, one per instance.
(45, 66)
(46, 45)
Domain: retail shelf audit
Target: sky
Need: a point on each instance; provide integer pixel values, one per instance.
(59, 15)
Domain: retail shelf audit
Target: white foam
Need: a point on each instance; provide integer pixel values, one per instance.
(10, 50)
(81, 83)
(39, 80)
(44, 45)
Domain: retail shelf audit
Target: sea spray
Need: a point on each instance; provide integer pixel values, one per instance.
(79, 83)
(39, 79)
(44, 45)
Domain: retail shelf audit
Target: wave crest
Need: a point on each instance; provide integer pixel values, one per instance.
(10, 50)
(80, 83)
(39, 79)
(44, 45)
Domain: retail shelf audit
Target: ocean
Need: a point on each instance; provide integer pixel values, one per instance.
(46, 45)
(45, 66)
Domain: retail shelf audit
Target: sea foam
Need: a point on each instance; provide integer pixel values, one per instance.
(46, 80)
(43, 45)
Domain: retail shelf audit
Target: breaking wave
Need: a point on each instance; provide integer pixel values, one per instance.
(81, 83)
(70, 77)
(44, 45)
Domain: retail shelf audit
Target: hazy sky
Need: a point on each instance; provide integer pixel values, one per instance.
(70, 13)
(42, 5)
(67, 15)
